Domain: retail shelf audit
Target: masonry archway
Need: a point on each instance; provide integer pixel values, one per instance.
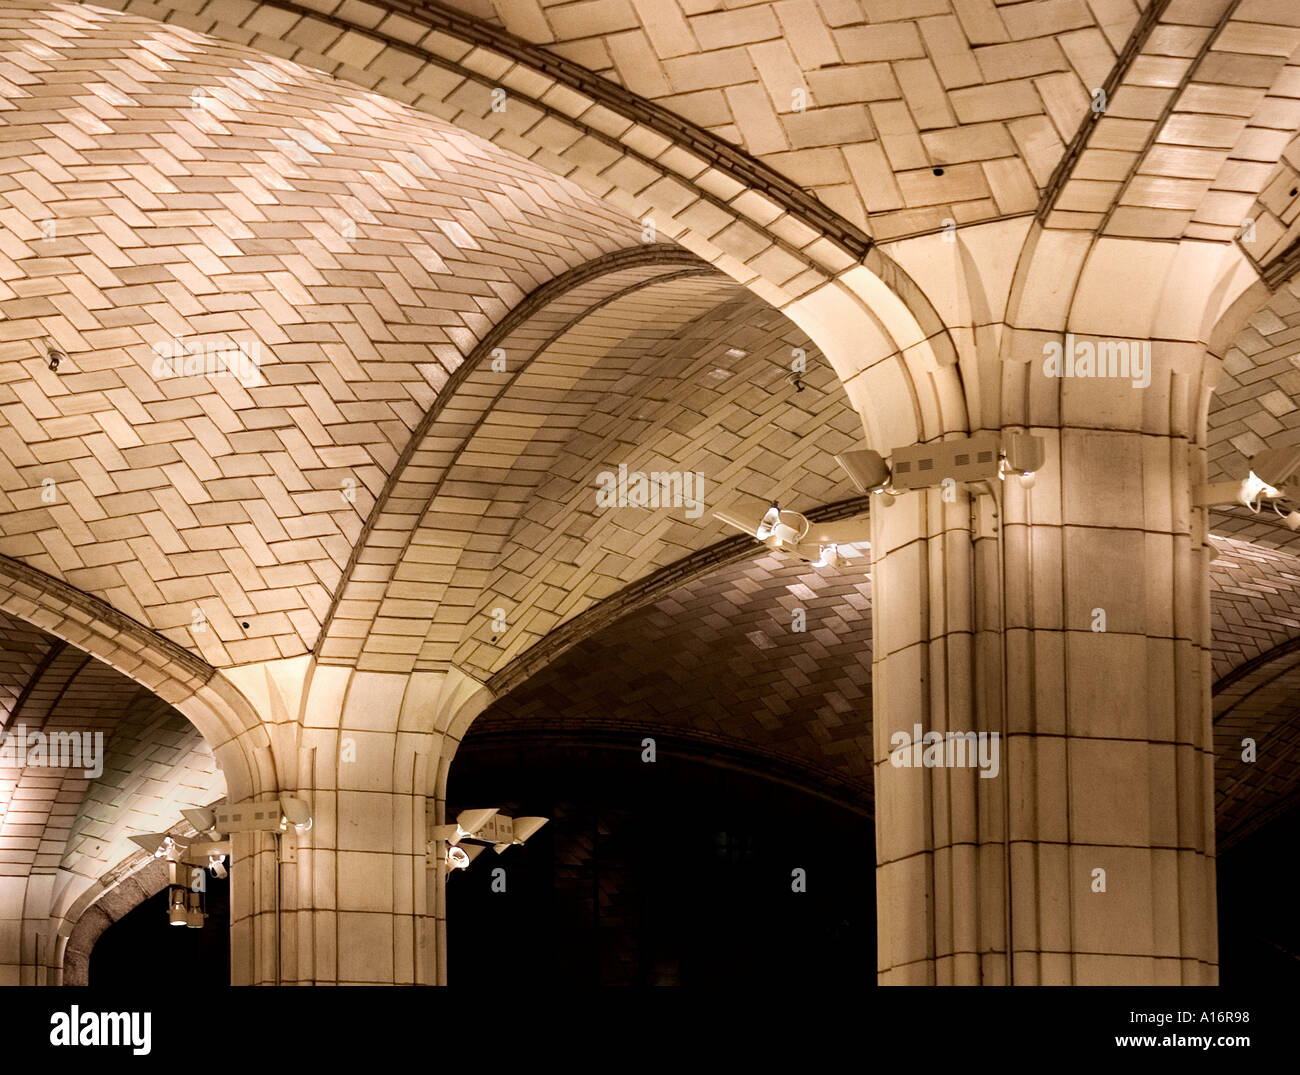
(220, 712)
(90, 759)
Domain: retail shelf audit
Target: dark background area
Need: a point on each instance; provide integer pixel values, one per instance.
(1259, 892)
(667, 873)
(142, 950)
(679, 872)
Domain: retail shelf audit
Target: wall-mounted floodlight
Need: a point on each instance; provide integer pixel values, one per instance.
(210, 849)
(828, 555)
(820, 544)
(978, 458)
(781, 527)
(1275, 467)
(459, 857)
(272, 815)
(867, 470)
(520, 829)
(203, 819)
(296, 813)
(1272, 477)
(177, 908)
(1023, 454)
(158, 844)
(184, 906)
(474, 830)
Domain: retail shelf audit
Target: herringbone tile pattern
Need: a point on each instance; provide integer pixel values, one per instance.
(1252, 406)
(517, 526)
(156, 762)
(157, 765)
(157, 186)
(1187, 140)
(1254, 602)
(1257, 713)
(720, 660)
(858, 102)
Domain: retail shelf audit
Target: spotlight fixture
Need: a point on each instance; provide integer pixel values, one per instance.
(1274, 467)
(208, 850)
(459, 858)
(790, 528)
(780, 527)
(767, 525)
(520, 829)
(272, 815)
(829, 556)
(184, 906)
(177, 911)
(158, 844)
(203, 820)
(480, 828)
(1266, 479)
(296, 813)
(189, 849)
(1254, 490)
(820, 544)
(1022, 455)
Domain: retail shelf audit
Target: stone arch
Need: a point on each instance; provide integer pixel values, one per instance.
(643, 592)
(498, 509)
(1073, 281)
(66, 822)
(220, 712)
(542, 316)
(703, 659)
(87, 920)
(1250, 334)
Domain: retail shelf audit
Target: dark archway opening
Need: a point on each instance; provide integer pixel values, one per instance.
(1259, 931)
(665, 873)
(142, 950)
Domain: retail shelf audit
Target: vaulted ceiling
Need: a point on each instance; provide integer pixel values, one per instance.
(71, 822)
(1200, 99)
(452, 342)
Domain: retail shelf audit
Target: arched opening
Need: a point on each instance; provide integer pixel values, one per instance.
(90, 759)
(1259, 934)
(1257, 740)
(707, 781)
(140, 948)
(680, 871)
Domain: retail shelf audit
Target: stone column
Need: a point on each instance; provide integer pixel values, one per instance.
(1072, 620)
(357, 898)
